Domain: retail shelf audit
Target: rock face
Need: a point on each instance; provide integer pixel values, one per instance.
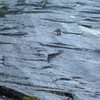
(36, 61)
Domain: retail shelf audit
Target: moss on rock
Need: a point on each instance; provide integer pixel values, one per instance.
(3, 11)
(30, 98)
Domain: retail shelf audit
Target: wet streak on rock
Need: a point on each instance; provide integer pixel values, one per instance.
(81, 3)
(1, 43)
(34, 11)
(88, 26)
(70, 47)
(13, 76)
(13, 34)
(46, 67)
(91, 19)
(59, 21)
(57, 92)
(7, 28)
(35, 87)
(72, 33)
(48, 6)
(61, 79)
(58, 7)
(91, 12)
(28, 4)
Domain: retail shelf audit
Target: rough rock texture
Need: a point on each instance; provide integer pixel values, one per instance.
(36, 60)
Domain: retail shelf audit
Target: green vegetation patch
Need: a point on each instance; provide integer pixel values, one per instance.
(30, 98)
(3, 11)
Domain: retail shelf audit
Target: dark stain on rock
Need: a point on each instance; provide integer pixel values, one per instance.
(46, 67)
(52, 55)
(61, 79)
(79, 87)
(15, 95)
(14, 34)
(76, 77)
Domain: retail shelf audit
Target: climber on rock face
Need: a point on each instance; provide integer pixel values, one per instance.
(58, 32)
